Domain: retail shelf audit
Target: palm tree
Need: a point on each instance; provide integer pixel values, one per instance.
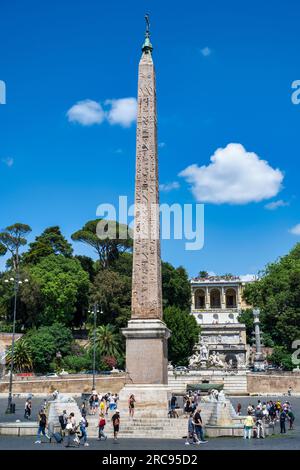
(22, 357)
(108, 341)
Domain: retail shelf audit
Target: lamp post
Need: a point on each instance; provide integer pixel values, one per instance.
(95, 311)
(17, 282)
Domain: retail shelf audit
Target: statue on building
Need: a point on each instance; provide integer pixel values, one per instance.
(194, 360)
(215, 360)
(203, 352)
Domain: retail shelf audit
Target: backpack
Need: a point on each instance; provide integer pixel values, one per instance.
(43, 419)
(61, 420)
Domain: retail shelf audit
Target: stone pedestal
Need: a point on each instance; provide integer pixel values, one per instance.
(151, 400)
(147, 351)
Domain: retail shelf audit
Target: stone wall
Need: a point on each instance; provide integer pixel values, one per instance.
(65, 385)
(6, 339)
(271, 383)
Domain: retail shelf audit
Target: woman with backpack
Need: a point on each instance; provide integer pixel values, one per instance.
(42, 427)
(102, 424)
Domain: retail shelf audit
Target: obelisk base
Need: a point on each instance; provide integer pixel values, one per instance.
(147, 368)
(147, 352)
(151, 400)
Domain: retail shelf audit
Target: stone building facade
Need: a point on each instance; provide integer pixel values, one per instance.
(216, 304)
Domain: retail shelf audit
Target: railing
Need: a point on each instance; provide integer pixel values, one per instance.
(215, 310)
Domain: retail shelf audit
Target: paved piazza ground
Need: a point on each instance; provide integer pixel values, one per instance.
(290, 441)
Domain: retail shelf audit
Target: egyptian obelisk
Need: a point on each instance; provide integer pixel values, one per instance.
(146, 334)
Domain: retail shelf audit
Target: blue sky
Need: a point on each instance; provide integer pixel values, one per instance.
(224, 74)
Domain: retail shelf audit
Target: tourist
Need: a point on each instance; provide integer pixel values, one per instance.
(238, 409)
(282, 420)
(116, 425)
(112, 403)
(291, 418)
(290, 391)
(187, 406)
(42, 418)
(191, 436)
(71, 428)
(83, 410)
(173, 406)
(63, 420)
(27, 410)
(107, 398)
(91, 399)
(55, 394)
(260, 429)
(82, 426)
(248, 425)
(102, 423)
(131, 404)
(116, 398)
(199, 426)
(102, 406)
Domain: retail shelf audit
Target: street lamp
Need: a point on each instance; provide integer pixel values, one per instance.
(95, 311)
(17, 283)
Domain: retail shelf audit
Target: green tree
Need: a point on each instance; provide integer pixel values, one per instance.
(12, 238)
(108, 341)
(112, 291)
(63, 290)
(280, 357)
(277, 294)
(185, 334)
(107, 238)
(203, 274)
(88, 265)
(51, 241)
(22, 356)
(176, 288)
(246, 317)
(46, 342)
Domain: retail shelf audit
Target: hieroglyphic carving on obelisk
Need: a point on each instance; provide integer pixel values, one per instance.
(146, 280)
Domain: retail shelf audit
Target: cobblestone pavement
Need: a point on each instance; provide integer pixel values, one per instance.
(287, 442)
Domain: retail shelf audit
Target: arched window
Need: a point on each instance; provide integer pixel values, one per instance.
(215, 298)
(199, 299)
(230, 295)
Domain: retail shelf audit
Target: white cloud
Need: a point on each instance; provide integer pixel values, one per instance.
(86, 112)
(295, 230)
(272, 206)
(8, 161)
(233, 176)
(206, 51)
(169, 186)
(123, 111)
